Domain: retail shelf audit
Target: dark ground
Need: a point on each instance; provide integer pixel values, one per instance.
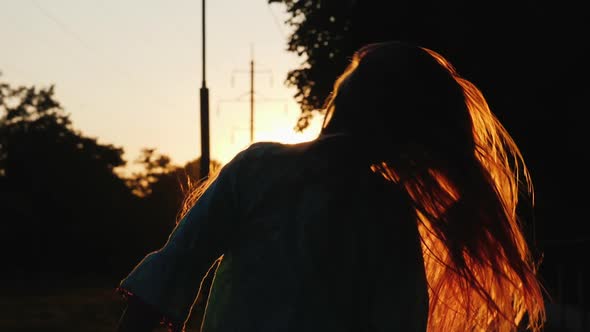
(95, 307)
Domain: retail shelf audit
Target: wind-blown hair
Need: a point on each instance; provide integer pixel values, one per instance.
(431, 131)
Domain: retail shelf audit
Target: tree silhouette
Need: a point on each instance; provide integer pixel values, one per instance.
(499, 45)
(60, 196)
(154, 167)
(64, 211)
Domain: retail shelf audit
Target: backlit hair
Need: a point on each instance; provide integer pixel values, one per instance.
(480, 273)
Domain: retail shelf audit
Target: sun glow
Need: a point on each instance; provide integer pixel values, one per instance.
(287, 135)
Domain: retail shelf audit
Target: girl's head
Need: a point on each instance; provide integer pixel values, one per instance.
(398, 95)
(431, 131)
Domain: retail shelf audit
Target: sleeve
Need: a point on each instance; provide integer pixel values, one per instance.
(169, 279)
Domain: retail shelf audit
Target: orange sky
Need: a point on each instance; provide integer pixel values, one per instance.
(129, 72)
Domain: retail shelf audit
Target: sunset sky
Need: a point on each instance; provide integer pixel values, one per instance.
(129, 72)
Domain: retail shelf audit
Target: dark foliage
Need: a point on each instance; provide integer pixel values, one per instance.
(64, 211)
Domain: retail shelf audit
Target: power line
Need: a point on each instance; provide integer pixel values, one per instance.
(276, 21)
(67, 30)
(234, 130)
(60, 24)
(94, 51)
(261, 99)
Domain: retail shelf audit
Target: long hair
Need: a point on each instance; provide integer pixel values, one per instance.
(430, 131)
(193, 189)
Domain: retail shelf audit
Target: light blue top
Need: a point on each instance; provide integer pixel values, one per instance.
(312, 241)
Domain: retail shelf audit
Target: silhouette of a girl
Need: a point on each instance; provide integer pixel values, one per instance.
(399, 216)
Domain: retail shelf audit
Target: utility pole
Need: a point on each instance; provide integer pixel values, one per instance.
(242, 99)
(252, 99)
(252, 73)
(204, 94)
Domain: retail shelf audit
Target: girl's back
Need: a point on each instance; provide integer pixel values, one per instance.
(322, 244)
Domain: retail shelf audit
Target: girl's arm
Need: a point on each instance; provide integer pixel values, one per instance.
(167, 281)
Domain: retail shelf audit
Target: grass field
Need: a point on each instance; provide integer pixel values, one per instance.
(90, 309)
